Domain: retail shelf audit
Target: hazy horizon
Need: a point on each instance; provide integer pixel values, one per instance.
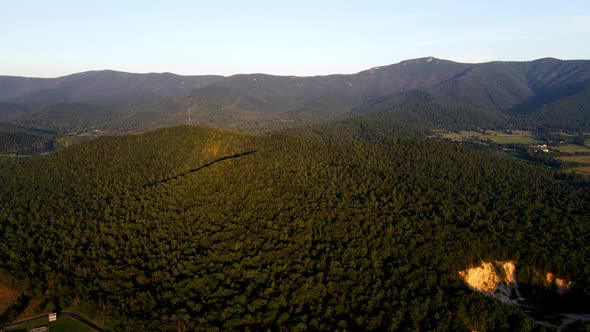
(285, 38)
(286, 75)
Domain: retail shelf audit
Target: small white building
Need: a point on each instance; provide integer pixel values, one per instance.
(52, 317)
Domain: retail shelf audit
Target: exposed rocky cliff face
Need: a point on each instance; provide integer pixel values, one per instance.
(563, 286)
(499, 279)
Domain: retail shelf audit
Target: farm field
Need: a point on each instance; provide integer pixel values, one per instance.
(575, 159)
(582, 163)
(583, 169)
(499, 137)
(572, 148)
(513, 139)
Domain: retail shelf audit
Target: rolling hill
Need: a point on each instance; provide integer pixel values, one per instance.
(102, 87)
(9, 111)
(194, 228)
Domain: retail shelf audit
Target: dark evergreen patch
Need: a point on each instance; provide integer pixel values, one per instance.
(305, 233)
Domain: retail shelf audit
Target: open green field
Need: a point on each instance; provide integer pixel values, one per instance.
(571, 148)
(583, 169)
(67, 324)
(513, 139)
(583, 163)
(495, 133)
(461, 136)
(499, 137)
(576, 159)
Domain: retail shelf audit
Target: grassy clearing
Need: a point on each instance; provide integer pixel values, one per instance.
(495, 133)
(561, 133)
(463, 135)
(513, 139)
(90, 316)
(571, 148)
(582, 169)
(67, 324)
(453, 136)
(498, 137)
(576, 159)
(582, 163)
(514, 133)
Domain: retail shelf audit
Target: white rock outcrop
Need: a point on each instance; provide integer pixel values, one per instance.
(499, 279)
(563, 286)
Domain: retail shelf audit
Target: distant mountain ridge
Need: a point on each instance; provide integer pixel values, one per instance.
(104, 86)
(426, 92)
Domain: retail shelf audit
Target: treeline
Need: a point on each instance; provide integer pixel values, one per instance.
(302, 234)
(23, 143)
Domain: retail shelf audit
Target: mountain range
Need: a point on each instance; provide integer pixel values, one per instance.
(425, 92)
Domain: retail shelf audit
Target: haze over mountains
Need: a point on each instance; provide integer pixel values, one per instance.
(105, 86)
(426, 92)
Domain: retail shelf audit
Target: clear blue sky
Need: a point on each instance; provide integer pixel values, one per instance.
(52, 38)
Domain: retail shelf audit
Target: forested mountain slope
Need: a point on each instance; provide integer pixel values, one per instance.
(68, 117)
(8, 111)
(333, 93)
(571, 111)
(159, 231)
(15, 139)
(104, 87)
(542, 93)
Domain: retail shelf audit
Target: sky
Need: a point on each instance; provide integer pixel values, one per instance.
(53, 38)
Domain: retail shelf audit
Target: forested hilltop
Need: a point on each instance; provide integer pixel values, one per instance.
(190, 228)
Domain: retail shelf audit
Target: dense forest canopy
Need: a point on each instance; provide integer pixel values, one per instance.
(193, 228)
